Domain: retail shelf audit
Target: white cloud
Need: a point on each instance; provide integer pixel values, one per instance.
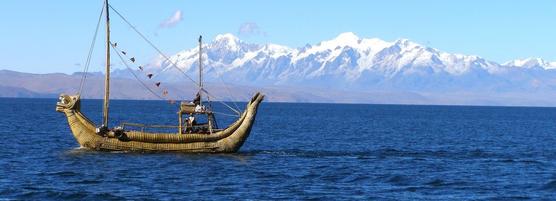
(173, 20)
(157, 61)
(250, 28)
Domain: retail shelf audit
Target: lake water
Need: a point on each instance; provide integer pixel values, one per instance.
(295, 151)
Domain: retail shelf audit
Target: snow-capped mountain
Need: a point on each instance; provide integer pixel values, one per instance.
(351, 62)
(531, 63)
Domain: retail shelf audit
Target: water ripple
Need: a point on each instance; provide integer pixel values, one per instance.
(385, 152)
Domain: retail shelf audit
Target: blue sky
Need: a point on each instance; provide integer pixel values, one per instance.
(53, 36)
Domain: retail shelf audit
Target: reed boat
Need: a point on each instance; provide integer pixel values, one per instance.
(189, 136)
(226, 140)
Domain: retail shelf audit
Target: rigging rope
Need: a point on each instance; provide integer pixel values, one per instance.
(151, 44)
(149, 75)
(226, 86)
(229, 107)
(165, 57)
(88, 61)
(134, 75)
(224, 114)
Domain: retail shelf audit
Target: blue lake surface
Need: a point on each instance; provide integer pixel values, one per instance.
(295, 151)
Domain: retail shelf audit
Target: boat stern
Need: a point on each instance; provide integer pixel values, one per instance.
(234, 142)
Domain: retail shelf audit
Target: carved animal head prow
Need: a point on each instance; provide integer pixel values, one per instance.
(67, 102)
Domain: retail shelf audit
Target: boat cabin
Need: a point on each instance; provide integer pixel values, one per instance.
(194, 113)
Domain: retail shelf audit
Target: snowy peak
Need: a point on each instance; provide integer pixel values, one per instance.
(531, 63)
(226, 36)
(346, 60)
(228, 41)
(276, 51)
(346, 55)
(406, 44)
(349, 39)
(345, 39)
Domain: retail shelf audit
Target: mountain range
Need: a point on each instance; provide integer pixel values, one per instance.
(350, 62)
(353, 69)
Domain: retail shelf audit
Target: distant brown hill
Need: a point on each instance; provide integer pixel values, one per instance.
(29, 85)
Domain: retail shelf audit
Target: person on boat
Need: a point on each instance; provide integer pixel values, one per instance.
(191, 119)
(199, 108)
(187, 126)
(197, 100)
(190, 122)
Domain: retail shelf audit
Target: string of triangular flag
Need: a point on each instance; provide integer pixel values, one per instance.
(158, 84)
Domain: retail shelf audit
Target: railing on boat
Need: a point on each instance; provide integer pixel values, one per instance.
(167, 128)
(142, 127)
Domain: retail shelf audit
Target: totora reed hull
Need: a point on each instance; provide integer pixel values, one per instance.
(228, 140)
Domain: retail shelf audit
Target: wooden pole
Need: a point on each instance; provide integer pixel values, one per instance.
(107, 78)
(200, 69)
(180, 122)
(209, 117)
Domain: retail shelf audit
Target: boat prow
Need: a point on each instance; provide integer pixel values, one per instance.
(227, 140)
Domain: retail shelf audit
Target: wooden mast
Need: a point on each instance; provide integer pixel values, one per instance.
(107, 78)
(209, 115)
(200, 69)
